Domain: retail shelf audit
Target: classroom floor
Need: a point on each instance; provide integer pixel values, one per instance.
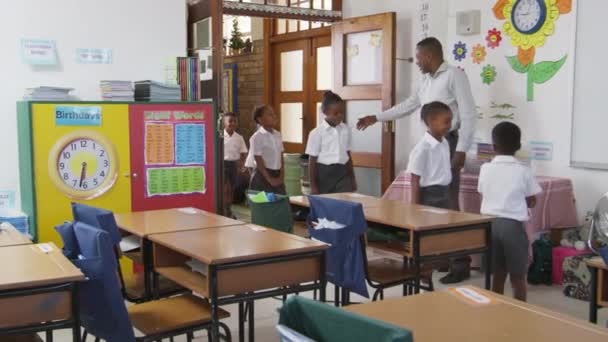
(266, 315)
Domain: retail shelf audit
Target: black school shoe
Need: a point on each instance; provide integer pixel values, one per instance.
(460, 272)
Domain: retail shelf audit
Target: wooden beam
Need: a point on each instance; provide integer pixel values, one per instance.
(312, 33)
(263, 14)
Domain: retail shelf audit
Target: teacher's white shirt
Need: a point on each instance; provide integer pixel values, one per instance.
(449, 85)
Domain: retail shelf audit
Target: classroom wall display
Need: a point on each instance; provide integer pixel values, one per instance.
(528, 24)
(93, 56)
(38, 52)
(141, 156)
(230, 88)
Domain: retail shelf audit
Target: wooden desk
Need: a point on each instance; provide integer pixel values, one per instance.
(145, 223)
(433, 233)
(599, 287)
(446, 316)
(365, 200)
(9, 236)
(243, 263)
(44, 288)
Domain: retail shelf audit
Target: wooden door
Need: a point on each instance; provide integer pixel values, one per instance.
(364, 68)
(291, 80)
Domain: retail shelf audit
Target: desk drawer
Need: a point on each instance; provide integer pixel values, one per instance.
(449, 242)
(34, 309)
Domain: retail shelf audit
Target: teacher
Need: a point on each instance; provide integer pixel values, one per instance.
(450, 85)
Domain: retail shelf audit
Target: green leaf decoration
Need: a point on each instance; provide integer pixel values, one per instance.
(543, 71)
(517, 66)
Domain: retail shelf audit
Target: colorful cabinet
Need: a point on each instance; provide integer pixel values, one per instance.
(118, 156)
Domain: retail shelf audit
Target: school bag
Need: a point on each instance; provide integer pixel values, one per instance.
(539, 272)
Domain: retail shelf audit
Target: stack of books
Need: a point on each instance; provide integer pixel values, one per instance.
(45, 93)
(188, 78)
(156, 91)
(116, 90)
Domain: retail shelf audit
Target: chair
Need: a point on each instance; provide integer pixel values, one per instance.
(104, 220)
(322, 322)
(102, 309)
(276, 215)
(380, 273)
(344, 259)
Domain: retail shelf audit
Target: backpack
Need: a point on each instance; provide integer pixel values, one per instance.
(540, 270)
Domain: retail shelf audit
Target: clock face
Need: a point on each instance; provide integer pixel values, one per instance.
(529, 15)
(83, 166)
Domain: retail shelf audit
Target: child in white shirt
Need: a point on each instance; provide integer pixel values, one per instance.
(235, 152)
(330, 164)
(266, 153)
(508, 189)
(429, 162)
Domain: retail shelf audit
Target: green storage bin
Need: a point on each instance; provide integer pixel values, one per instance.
(293, 174)
(275, 215)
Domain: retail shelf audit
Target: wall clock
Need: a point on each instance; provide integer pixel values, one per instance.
(528, 16)
(83, 164)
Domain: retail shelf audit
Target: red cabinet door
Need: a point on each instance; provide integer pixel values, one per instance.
(173, 156)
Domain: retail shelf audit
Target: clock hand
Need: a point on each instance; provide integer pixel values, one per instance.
(83, 173)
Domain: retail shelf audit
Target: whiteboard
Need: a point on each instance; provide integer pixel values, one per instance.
(590, 104)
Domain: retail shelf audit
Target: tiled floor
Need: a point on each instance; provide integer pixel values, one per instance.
(267, 317)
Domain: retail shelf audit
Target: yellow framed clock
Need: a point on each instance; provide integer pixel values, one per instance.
(83, 164)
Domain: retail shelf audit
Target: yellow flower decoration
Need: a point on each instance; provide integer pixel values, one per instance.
(528, 42)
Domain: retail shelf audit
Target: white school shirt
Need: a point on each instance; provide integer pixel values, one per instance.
(234, 146)
(430, 159)
(267, 145)
(504, 185)
(329, 144)
(449, 85)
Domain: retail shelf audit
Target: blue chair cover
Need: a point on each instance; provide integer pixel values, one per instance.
(70, 244)
(344, 259)
(102, 309)
(97, 217)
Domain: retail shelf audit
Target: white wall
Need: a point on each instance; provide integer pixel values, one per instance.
(409, 129)
(142, 34)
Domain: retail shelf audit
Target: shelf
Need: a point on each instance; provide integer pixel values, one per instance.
(391, 248)
(184, 276)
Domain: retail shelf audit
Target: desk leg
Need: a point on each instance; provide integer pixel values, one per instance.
(593, 295)
(213, 298)
(488, 256)
(251, 321)
(241, 322)
(417, 263)
(75, 314)
(147, 256)
(323, 279)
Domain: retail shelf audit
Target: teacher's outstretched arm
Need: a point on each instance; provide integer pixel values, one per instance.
(400, 110)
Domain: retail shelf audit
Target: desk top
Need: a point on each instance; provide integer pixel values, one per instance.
(597, 262)
(235, 243)
(365, 200)
(144, 223)
(9, 236)
(419, 217)
(447, 316)
(29, 266)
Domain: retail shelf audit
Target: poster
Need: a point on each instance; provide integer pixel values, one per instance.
(205, 57)
(175, 152)
(159, 144)
(541, 150)
(175, 180)
(38, 52)
(189, 144)
(93, 56)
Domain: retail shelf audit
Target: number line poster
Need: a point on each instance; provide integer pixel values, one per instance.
(174, 153)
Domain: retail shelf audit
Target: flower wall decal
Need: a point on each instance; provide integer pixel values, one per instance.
(478, 54)
(488, 74)
(494, 38)
(460, 51)
(528, 23)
